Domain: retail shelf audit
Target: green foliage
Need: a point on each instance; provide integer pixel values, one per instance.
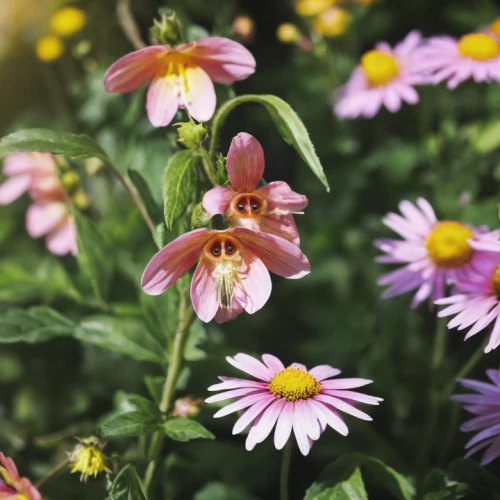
(185, 429)
(145, 194)
(127, 486)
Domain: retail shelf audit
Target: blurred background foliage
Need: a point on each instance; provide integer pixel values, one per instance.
(446, 148)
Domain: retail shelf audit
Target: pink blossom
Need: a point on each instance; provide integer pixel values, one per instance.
(434, 253)
(486, 407)
(385, 77)
(292, 398)
(186, 407)
(12, 485)
(181, 76)
(267, 208)
(232, 273)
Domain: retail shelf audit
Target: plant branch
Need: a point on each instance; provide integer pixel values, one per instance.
(285, 469)
(52, 473)
(208, 166)
(128, 24)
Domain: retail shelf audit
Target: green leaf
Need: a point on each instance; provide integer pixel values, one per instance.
(185, 429)
(95, 256)
(144, 405)
(38, 139)
(394, 482)
(221, 491)
(145, 194)
(127, 486)
(179, 182)
(128, 424)
(468, 471)
(348, 488)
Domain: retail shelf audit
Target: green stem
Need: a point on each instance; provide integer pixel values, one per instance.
(52, 473)
(439, 344)
(128, 24)
(208, 166)
(185, 320)
(285, 470)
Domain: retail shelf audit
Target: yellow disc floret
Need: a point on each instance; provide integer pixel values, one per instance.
(379, 67)
(49, 48)
(479, 46)
(447, 244)
(294, 384)
(67, 21)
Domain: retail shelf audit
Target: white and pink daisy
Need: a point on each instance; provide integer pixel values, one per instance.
(292, 398)
(232, 273)
(486, 407)
(12, 485)
(268, 208)
(475, 56)
(181, 76)
(385, 77)
(434, 253)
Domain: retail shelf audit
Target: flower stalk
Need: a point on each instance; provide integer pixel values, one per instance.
(285, 470)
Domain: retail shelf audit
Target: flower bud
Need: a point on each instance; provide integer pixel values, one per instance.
(49, 48)
(191, 134)
(288, 33)
(67, 21)
(88, 458)
(244, 26)
(332, 22)
(166, 30)
(200, 217)
(186, 407)
(81, 201)
(70, 181)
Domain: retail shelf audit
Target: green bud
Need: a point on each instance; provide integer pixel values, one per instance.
(191, 134)
(70, 180)
(81, 201)
(220, 167)
(200, 217)
(167, 29)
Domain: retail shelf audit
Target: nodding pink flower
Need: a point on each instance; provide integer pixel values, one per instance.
(181, 76)
(434, 253)
(485, 406)
(232, 273)
(474, 56)
(385, 77)
(476, 299)
(28, 172)
(12, 485)
(267, 208)
(292, 398)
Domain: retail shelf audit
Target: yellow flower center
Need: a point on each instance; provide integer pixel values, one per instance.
(495, 281)
(447, 244)
(379, 67)
(49, 48)
(67, 21)
(332, 22)
(479, 46)
(294, 384)
(495, 26)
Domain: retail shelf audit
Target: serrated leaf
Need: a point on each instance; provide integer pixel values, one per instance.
(185, 429)
(179, 182)
(37, 139)
(145, 194)
(350, 488)
(127, 486)
(129, 424)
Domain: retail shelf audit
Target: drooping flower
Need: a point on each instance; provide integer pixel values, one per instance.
(385, 77)
(12, 485)
(475, 55)
(186, 407)
(434, 253)
(181, 76)
(232, 273)
(290, 398)
(486, 407)
(476, 299)
(88, 458)
(268, 208)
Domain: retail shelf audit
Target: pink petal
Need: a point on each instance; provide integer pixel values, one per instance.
(307, 416)
(217, 200)
(204, 293)
(266, 423)
(173, 261)
(63, 240)
(491, 453)
(257, 284)
(235, 393)
(280, 256)
(13, 188)
(243, 403)
(224, 60)
(331, 416)
(224, 315)
(283, 426)
(279, 196)
(162, 101)
(345, 383)
(273, 363)
(322, 372)
(342, 406)
(245, 162)
(250, 365)
(38, 164)
(44, 217)
(199, 98)
(235, 383)
(282, 226)
(299, 429)
(354, 396)
(134, 69)
(252, 413)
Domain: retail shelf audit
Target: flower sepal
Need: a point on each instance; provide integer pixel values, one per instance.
(167, 29)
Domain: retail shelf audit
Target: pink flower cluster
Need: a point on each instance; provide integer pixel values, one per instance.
(12, 485)
(36, 174)
(387, 76)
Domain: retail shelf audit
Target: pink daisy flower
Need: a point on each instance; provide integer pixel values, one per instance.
(486, 406)
(434, 253)
(181, 76)
(385, 77)
(476, 301)
(12, 485)
(267, 208)
(232, 273)
(292, 398)
(475, 56)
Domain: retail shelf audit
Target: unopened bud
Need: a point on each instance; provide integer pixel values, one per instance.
(220, 167)
(70, 180)
(244, 26)
(288, 33)
(191, 134)
(186, 407)
(81, 201)
(200, 217)
(166, 30)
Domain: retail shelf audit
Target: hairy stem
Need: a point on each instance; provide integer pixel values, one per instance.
(208, 166)
(52, 473)
(128, 24)
(285, 469)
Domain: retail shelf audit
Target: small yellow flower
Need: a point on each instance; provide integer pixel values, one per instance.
(495, 27)
(88, 458)
(67, 21)
(49, 48)
(288, 33)
(332, 22)
(313, 7)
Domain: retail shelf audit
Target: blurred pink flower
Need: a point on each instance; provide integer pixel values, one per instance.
(486, 406)
(181, 76)
(475, 55)
(267, 208)
(13, 486)
(435, 253)
(385, 77)
(232, 273)
(290, 398)
(186, 407)
(476, 301)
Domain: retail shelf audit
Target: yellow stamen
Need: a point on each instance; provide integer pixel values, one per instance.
(479, 46)
(176, 66)
(447, 244)
(380, 68)
(67, 21)
(88, 459)
(294, 384)
(332, 22)
(49, 48)
(495, 281)
(495, 26)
